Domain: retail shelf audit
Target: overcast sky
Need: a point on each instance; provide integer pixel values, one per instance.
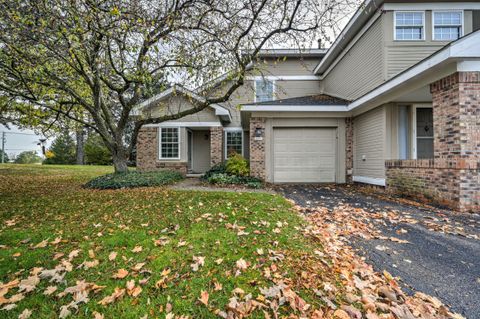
(18, 141)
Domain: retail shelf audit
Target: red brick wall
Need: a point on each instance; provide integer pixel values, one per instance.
(452, 176)
(216, 145)
(257, 149)
(147, 153)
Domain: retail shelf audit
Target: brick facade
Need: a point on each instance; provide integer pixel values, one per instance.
(349, 148)
(257, 148)
(216, 145)
(452, 176)
(147, 153)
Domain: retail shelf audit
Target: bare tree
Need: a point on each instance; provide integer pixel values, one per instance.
(59, 56)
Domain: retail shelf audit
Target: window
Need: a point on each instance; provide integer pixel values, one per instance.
(169, 143)
(263, 90)
(447, 25)
(424, 132)
(409, 25)
(233, 142)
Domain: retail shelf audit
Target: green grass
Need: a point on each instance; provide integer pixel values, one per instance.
(46, 202)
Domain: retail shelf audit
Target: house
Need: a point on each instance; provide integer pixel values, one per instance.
(394, 102)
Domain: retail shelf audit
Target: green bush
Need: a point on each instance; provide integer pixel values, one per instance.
(237, 165)
(134, 179)
(226, 179)
(219, 168)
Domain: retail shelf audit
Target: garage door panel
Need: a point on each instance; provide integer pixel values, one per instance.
(304, 155)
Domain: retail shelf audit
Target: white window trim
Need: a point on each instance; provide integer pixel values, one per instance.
(230, 130)
(414, 126)
(462, 19)
(160, 143)
(395, 25)
(274, 88)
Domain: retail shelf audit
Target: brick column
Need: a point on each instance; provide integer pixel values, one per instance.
(216, 145)
(456, 121)
(257, 148)
(349, 148)
(147, 148)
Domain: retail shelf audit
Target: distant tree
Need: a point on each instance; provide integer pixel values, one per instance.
(63, 149)
(28, 157)
(96, 153)
(5, 156)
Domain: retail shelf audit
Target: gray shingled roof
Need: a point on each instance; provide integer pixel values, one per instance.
(320, 99)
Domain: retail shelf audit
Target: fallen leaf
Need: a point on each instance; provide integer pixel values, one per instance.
(50, 290)
(204, 297)
(121, 273)
(112, 256)
(25, 314)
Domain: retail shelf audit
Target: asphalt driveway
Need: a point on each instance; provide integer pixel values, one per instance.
(441, 257)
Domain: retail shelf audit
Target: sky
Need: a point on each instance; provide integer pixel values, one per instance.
(17, 141)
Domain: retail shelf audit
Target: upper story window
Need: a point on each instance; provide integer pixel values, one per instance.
(263, 90)
(169, 143)
(447, 25)
(409, 25)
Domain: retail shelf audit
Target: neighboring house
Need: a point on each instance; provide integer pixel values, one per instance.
(394, 102)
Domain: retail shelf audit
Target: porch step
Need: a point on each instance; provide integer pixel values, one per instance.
(194, 175)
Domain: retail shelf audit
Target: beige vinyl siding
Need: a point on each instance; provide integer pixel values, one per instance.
(361, 69)
(177, 104)
(289, 66)
(369, 142)
(400, 55)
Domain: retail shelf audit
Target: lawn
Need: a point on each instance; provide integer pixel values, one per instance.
(69, 251)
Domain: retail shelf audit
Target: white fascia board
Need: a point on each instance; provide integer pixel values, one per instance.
(284, 77)
(468, 66)
(295, 108)
(184, 124)
(465, 48)
(370, 180)
(432, 6)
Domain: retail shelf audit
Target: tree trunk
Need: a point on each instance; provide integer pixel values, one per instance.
(120, 160)
(80, 153)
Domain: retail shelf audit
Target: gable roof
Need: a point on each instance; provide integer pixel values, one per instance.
(364, 12)
(177, 90)
(319, 102)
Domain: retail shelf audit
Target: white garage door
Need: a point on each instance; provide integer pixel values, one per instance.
(304, 155)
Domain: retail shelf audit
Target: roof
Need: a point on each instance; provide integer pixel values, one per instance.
(175, 90)
(275, 53)
(320, 99)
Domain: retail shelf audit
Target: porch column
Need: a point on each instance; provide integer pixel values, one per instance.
(349, 148)
(257, 147)
(216, 145)
(456, 122)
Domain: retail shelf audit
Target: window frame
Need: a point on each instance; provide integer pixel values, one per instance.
(264, 80)
(413, 124)
(160, 142)
(233, 130)
(395, 25)
(462, 24)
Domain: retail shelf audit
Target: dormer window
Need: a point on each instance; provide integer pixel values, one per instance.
(409, 26)
(447, 25)
(263, 90)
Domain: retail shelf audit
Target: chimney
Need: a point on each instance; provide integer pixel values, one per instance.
(319, 41)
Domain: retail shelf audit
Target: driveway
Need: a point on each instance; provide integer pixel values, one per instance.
(438, 252)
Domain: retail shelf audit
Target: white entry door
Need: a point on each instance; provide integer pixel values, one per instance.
(304, 155)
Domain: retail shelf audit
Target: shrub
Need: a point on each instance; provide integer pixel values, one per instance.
(28, 157)
(226, 179)
(237, 165)
(134, 179)
(219, 168)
